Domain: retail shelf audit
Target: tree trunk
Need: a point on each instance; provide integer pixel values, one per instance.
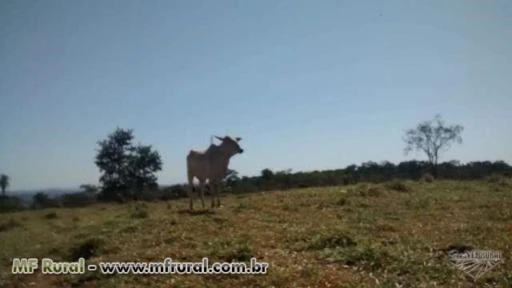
(434, 169)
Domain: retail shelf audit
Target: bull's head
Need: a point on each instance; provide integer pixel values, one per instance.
(231, 144)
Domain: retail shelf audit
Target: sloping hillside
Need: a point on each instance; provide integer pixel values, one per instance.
(365, 235)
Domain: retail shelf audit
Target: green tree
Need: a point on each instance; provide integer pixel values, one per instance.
(267, 174)
(42, 200)
(231, 179)
(432, 137)
(126, 169)
(4, 183)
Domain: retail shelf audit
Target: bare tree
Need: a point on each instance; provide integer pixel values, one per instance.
(432, 137)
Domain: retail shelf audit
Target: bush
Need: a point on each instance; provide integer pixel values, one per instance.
(499, 180)
(172, 192)
(323, 239)
(374, 191)
(238, 249)
(147, 195)
(399, 186)
(86, 249)
(427, 178)
(41, 200)
(11, 204)
(51, 215)
(239, 252)
(243, 205)
(330, 240)
(342, 201)
(9, 224)
(81, 199)
(365, 189)
(139, 210)
(365, 257)
(361, 188)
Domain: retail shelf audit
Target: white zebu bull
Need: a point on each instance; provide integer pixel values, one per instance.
(211, 165)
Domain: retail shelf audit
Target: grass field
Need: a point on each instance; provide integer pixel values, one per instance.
(367, 235)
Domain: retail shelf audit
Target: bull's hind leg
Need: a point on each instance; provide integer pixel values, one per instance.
(212, 192)
(201, 183)
(190, 191)
(215, 189)
(218, 194)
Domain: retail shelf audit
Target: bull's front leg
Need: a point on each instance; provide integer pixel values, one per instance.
(216, 194)
(190, 191)
(202, 192)
(212, 191)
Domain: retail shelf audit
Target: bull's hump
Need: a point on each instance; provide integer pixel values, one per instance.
(192, 153)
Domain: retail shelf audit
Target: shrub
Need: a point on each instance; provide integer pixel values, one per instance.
(81, 199)
(427, 178)
(232, 249)
(342, 201)
(240, 252)
(374, 191)
(366, 258)
(11, 204)
(139, 210)
(86, 249)
(9, 224)
(328, 239)
(243, 205)
(173, 192)
(41, 200)
(498, 180)
(51, 215)
(399, 186)
(291, 207)
(365, 189)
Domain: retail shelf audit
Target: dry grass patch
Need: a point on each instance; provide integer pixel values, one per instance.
(9, 224)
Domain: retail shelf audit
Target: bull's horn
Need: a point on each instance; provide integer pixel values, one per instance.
(220, 138)
(238, 139)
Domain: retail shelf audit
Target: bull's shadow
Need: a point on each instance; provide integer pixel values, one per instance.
(196, 212)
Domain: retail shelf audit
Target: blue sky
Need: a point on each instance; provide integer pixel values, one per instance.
(307, 84)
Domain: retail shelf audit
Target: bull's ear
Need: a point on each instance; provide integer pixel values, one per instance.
(238, 139)
(220, 138)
